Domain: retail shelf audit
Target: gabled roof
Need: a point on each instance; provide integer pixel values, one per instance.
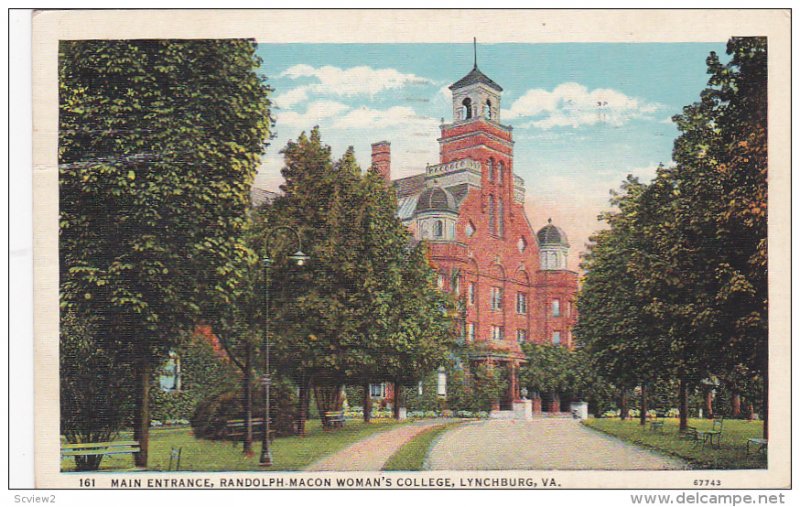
(475, 76)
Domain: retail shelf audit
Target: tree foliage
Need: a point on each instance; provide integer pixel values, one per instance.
(677, 284)
(159, 141)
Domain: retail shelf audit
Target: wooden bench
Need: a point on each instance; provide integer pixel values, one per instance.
(657, 424)
(760, 443)
(335, 419)
(235, 429)
(100, 448)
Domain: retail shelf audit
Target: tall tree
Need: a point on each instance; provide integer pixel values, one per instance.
(159, 141)
(348, 316)
(721, 157)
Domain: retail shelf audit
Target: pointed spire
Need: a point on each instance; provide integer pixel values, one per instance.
(475, 52)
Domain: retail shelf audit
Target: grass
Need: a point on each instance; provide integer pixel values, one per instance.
(730, 454)
(411, 456)
(288, 453)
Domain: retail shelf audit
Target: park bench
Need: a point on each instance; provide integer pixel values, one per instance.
(657, 422)
(100, 448)
(708, 436)
(235, 429)
(760, 443)
(335, 418)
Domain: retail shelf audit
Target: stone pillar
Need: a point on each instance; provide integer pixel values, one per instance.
(513, 381)
(555, 404)
(537, 404)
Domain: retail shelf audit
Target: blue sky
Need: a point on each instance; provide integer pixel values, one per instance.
(569, 151)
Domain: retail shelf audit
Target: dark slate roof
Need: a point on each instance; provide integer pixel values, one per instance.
(552, 235)
(410, 185)
(475, 76)
(436, 199)
(459, 192)
(259, 196)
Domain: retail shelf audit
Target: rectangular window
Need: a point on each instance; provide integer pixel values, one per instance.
(522, 303)
(457, 285)
(556, 308)
(376, 390)
(497, 333)
(471, 331)
(522, 336)
(556, 337)
(569, 308)
(471, 293)
(497, 298)
(440, 281)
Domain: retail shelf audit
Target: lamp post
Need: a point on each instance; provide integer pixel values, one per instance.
(299, 258)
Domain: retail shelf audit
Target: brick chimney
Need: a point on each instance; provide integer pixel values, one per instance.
(382, 159)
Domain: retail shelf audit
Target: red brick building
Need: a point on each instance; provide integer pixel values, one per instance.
(469, 208)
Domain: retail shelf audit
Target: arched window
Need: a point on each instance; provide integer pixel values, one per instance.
(492, 224)
(469, 229)
(490, 169)
(487, 109)
(441, 383)
(438, 229)
(500, 224)
(500, 170)
(467, 103)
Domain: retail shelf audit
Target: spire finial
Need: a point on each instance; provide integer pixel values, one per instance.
(475, 52)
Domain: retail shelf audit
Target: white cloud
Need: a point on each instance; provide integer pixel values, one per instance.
(574, 105)
(366, 118)
(313, 115)
(352, 81)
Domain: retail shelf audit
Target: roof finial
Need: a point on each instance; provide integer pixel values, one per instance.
(549, 220)
(475, 52)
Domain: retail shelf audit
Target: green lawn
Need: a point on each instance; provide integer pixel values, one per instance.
(412, 455)
(730, 455)
(288, 453)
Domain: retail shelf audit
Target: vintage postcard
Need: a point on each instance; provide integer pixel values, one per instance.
(400, 249)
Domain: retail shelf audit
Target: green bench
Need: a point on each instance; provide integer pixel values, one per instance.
(708, 436)
(235, 429)
(100, 448)
(335, 419)
(759, 443)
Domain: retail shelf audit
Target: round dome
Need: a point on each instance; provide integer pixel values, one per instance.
(436, 199)
(551, 235)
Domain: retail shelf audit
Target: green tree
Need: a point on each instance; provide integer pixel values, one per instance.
(365, 308)
(159, 141)
(721, 157)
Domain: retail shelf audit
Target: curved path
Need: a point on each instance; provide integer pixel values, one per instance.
(374, 451)
(541, 444)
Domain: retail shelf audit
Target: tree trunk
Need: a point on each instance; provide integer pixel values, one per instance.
(683, 404)
(709, 403)
(397, 401)
(736, 405)
(367, 403)
(303, 402)
(643, 409)
(247, 388)
(623, 405)
(141, 416)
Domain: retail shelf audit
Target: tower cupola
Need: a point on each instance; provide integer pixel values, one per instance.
(476, 95)
(553, 247)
